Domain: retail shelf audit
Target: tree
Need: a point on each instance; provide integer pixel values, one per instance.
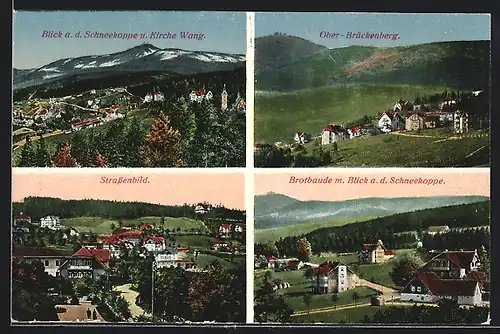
(79, 150)
(404, 270)
(163, 144)
(309, 273)
(355, 297)
(41, 155)
(268, 307)
(134, 144)
(484, 260)
(100, 162)
(27, 156)
(270, 248)
(63, 158)
(308, 301)
(303, 250)
(335, 299)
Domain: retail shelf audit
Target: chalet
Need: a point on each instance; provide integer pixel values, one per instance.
(333, 133)
(417, 121)
(390, 121)
(354, 132)
(437, 229)
(170, 257)
(50, 222)
(461, 122)
(145, 227)
(224, 230)
(86, 262)
(49, 257)
(453, 264)
(239, 105)
(200, 94)
(158, 96)
(131, 236)
(21, 217)
(114, 244)
(333, 277)
(402, 106)
(375, 253)
(153, 243)
(202, 208)
(427, 287)
(302, 137)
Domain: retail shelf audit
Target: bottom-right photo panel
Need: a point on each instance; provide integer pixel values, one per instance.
(372, 246)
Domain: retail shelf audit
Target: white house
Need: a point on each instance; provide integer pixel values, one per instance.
(158, 96)
(153, 243)
(171, 257)
(301, 137)
(200, 94)
(333, 133)
(461, 122)
(92, 91)
(427, 287)
(437, 229)
(50, 222)
(202, 208)
(354, 132)
(390, 121)
(49, 257)
(148, 98)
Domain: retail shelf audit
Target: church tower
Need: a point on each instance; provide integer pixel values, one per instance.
(224, 98)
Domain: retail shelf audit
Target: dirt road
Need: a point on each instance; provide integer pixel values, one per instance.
(78, 313)
(130, 296)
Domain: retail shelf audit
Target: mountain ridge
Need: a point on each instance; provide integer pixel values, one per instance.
(271, 215)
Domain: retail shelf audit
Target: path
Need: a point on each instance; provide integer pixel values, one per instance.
(386, 291)
(36, 137)
(130, 296)
(77, 313)
(410, 135)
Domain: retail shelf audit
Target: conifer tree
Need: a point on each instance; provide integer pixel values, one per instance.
(134, 145)
(42, 156)
(27, 157)
(63, 158)
(163, 144)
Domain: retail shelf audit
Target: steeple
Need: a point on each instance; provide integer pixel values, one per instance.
(224, 98)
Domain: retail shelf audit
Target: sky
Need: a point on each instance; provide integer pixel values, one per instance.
(224, 32)
(172, 188)
(455, 184)
(411, 28)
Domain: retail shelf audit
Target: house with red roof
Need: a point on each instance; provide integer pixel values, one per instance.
(427, 287)
(153, 243)
(453, 264)
(402, 106)
(114, 244)
(302, 137)
(333, 133)
(258, 146)
(202, 208)
(78, 125)
(333, 277)
(225, 229)
(21, 217)
(354, 132)
(172, 257)
(90, 263)
(390, 121)
(375, 253)
(200, 94)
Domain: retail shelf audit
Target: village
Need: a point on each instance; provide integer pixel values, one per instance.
(412, 118)
(82, 261)
(39, 118)
(353, 286)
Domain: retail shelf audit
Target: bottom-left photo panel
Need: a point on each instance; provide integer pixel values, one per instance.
(128, 246)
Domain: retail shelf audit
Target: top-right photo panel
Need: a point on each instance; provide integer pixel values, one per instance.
(372, 90)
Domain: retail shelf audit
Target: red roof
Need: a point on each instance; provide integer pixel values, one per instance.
(114, 106)
(300, 134)
(183, 249)
(259, 145)
(22, 216)
(271, 258)
(101, 255)
(85, 122)
(389, 253)
(447, 287)
(145, 227)
(129, 234)
(355, 129)
(200, 92)
(157, 240)
(111, 239)
(226, 226)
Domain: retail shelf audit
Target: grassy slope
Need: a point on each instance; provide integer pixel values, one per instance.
(352, 315)
(392, 150)
(103, 225)
(279, 115)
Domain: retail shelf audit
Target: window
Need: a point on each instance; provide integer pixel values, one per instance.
(57, 263)
(419, 289)
(46, 263)
(412, 288)
(341, 275)
(342, 282)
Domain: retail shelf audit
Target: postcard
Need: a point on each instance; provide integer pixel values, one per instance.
(141, 246)
(129, 89)
(372, 90)
(372, 247)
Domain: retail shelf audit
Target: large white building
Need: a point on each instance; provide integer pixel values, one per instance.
(50, 222)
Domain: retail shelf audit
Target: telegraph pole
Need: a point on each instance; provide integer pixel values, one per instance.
(153, 269)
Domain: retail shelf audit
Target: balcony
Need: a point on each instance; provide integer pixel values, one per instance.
(79, 267)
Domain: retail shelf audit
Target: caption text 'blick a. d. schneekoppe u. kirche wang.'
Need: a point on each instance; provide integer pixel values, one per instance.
(124, 35)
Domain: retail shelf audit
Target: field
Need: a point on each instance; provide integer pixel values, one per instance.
(272, 234)
(380, 273)
(103, 225)
(353, 315)
(429, 148)
(279, 115)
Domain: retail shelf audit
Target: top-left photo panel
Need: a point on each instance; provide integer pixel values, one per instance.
(129, 89)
